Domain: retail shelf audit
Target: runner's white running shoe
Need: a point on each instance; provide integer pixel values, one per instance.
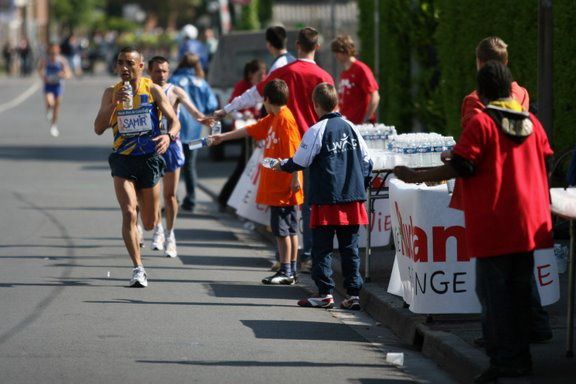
(170, 245)
(139, 278)
(158, 238)
(54, 132)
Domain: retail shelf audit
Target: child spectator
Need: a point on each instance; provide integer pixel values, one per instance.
(339, 171)
(280, 191)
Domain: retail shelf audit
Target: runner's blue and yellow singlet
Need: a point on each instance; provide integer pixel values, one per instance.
(134, 129)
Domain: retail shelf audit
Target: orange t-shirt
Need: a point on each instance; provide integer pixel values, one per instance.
(282, 140)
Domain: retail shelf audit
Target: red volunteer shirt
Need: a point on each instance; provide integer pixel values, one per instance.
(353, 213)
(302, 77)
(356, 85)
(239, 88)
(471, 106)
(506, 201)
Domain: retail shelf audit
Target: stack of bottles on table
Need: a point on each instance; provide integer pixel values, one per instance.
(416, 150)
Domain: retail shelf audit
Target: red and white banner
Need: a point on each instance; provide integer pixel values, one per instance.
(243, 198)
(432, 270)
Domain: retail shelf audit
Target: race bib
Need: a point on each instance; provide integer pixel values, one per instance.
(134, 122)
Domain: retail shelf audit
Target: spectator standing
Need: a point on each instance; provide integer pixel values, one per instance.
(276, 40)
(254, 72)
(357, 89)
(209, 39)
(71, 49)
(501, 158)
(281, 192)
(340, 168)
(494, 48)
(191, 44)
(25, 53)
(190, 77)
(8, 55)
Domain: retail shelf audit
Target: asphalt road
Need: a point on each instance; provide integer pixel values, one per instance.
(66, 315)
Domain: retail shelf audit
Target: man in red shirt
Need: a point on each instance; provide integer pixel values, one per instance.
(357, 90)
(302, 76)
(501, 158)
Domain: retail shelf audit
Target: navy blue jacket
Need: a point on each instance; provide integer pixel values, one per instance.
(338, 160)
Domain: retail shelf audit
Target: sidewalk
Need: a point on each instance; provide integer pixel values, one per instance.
(447, 339)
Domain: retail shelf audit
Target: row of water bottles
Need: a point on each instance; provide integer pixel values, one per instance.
(415, 150)
(420, 150)
(376, 136)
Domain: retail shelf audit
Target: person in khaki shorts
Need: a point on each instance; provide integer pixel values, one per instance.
(282, 192)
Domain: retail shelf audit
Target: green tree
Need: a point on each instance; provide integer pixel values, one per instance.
(249, 16)
(71, 14)
(265, 11)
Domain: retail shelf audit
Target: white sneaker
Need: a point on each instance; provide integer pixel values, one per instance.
(54, 132)
(140, 235)
(158, 238)
(170, 246)
(139, 278)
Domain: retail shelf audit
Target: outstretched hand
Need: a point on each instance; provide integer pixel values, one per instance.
(407, 175)
(215, 140)
(209, 120)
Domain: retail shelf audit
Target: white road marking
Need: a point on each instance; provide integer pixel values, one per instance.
(21, 98)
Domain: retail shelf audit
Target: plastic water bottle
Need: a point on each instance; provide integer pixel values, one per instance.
(198, 143)
(128, 104)
(216, 128)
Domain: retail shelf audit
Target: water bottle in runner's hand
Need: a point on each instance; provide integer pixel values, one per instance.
(127, 87)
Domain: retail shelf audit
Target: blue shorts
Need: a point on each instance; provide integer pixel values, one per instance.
(174, 156)
(55, 89)
(283, 221)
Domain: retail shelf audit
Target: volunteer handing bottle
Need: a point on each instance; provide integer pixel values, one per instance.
(128, 104)
(216, 129)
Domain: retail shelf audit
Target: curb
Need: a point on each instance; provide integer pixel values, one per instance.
(455, 356)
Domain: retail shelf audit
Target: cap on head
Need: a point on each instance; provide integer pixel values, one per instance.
(190, 31)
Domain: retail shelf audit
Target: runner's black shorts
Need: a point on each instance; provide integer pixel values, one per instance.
(283, 221)
(144, 170)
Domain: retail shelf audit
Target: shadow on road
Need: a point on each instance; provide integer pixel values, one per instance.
(56, 153)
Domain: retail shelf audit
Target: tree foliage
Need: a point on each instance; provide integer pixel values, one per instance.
(427, 56)
(71, 14)
(249, 17)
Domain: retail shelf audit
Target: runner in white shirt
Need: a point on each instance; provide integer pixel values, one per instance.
(164, 239)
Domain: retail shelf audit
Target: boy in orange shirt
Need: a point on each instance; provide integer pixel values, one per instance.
(281, 191)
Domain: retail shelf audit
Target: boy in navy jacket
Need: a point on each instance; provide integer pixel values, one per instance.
(340, 168)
